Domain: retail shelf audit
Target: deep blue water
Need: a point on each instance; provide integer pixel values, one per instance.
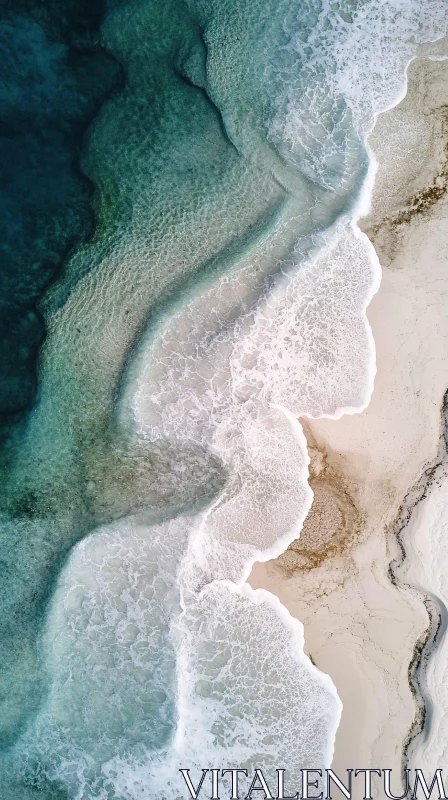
(54, 76)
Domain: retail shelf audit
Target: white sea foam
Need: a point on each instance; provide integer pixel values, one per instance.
(197, 669)
(149, 676)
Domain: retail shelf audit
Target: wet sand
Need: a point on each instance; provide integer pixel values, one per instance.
(360, 627)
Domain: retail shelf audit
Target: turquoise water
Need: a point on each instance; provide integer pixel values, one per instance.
(221, 294)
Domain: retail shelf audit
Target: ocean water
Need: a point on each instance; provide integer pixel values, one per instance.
(54, 77)
(221, 296)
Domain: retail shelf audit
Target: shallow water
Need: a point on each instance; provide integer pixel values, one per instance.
(222, 295)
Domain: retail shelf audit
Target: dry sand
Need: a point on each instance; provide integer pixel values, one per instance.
(359, 627)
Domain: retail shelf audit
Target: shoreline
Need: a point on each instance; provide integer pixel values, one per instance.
(359, 627)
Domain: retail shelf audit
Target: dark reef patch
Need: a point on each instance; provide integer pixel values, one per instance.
(54, 75)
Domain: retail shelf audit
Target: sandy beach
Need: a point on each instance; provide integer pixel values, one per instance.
(360, 628)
